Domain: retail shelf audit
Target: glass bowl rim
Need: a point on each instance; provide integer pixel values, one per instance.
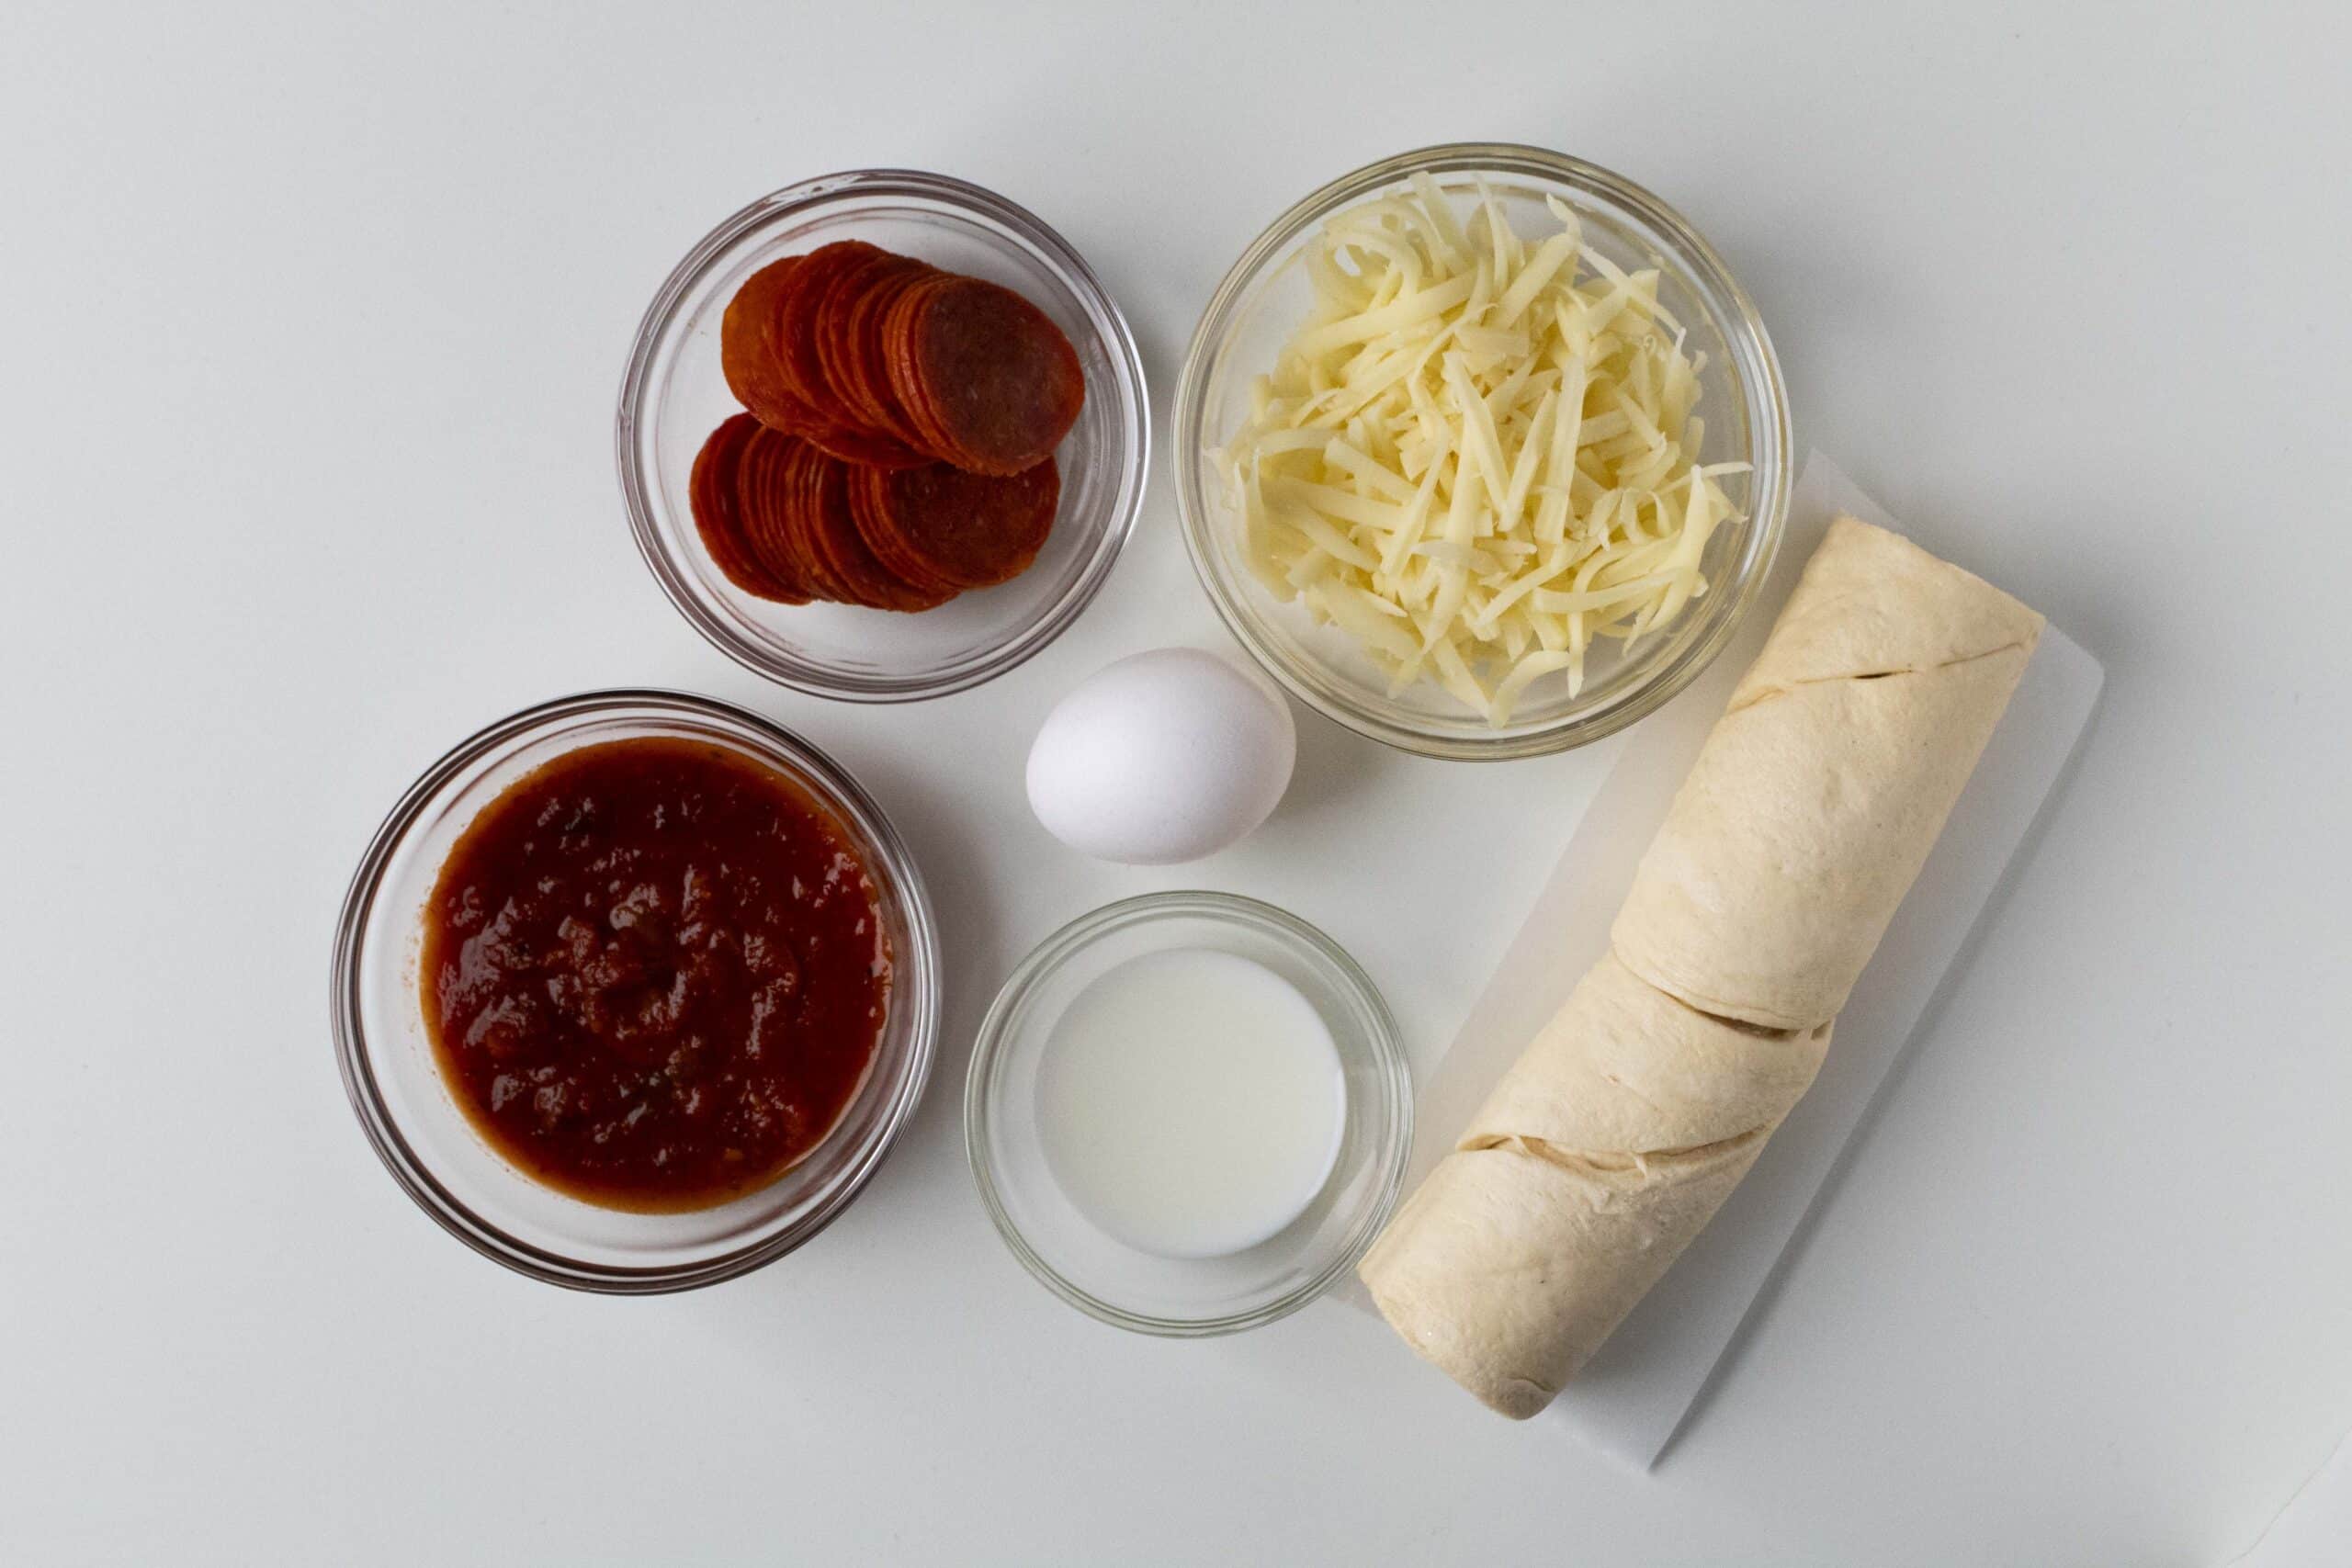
(632, 415)
(355, 1061)
(1745, 332)
(1393, 1072)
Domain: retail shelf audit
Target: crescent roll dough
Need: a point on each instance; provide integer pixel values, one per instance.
(1602, 1153)
(1638, 1108)
(1824, 785)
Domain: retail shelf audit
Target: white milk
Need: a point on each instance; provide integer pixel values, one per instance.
(1190, 1102)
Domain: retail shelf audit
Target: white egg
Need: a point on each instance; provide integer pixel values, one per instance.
(1162, 757)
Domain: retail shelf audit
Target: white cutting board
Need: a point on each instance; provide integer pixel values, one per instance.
(1634, 1394)
(2311, 1532)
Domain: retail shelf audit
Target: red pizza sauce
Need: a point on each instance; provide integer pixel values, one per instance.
(654, 974)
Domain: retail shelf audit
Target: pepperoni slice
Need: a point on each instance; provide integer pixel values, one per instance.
(816, 355)
(887, 546)
(762, 501)
(867, 449)
(796, 318)
(747, 353)
(804, 472)
(796, 326)
(711, 493)
(829, 326)
(971, 530)
(757, 354)
(896, 339)
(870, 582)
(998, 383)
(860, 374)
(897, 447)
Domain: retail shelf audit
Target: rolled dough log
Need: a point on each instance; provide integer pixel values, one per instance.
(1628, 1120)
(1822, 788)
(1601, 1154)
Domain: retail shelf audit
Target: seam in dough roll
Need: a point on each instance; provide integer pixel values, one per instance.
(1638, 1108)
(1596, 1159)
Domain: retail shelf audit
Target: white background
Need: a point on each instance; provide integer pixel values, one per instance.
(311, 323)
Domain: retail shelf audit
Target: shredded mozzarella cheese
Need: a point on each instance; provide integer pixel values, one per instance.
(1477, 455)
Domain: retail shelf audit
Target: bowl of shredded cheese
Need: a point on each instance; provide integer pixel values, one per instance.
(1482, 451)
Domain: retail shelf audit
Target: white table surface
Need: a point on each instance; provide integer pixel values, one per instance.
(310, 327)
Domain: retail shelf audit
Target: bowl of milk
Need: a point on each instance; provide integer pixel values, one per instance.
(1188, 1112)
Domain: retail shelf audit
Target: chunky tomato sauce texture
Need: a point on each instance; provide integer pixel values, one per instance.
(655, 974)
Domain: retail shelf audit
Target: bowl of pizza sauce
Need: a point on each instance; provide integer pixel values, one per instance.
(634, 991)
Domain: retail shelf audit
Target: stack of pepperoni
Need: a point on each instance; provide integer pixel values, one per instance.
(899, 446)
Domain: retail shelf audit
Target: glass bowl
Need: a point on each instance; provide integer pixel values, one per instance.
(431, 1148)
(674, 394)
(1141, 1291)
(1261, 301)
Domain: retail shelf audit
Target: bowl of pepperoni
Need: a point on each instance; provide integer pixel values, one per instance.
(882, 435)
(634, 991)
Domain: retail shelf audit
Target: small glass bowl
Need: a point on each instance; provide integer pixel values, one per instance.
(1260, 302)
(674, 395)
(1192, 1297)
(432, 1149)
